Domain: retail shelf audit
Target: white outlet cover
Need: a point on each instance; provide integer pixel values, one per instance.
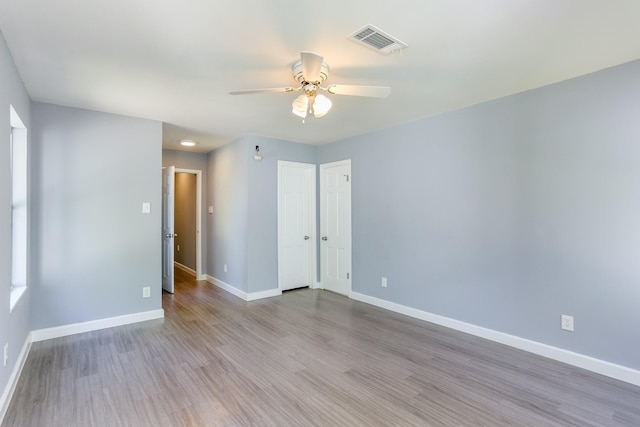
(566, 322)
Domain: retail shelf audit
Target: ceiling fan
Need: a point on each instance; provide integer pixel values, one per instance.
(310, 72)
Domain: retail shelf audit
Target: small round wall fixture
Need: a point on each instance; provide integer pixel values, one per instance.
(257, 156)
(188, 142)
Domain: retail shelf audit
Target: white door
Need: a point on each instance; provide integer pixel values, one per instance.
(296, 225)
(335, 226)
(168, 197)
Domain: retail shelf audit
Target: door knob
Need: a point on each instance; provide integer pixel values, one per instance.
(170, 235)
(306, 237)
(324, 238)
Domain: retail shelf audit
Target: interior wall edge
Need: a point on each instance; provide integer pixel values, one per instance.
(247, 296)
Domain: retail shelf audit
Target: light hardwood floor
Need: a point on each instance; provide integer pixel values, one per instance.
(308, 358)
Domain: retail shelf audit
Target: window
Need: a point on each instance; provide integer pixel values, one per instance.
(19, 235)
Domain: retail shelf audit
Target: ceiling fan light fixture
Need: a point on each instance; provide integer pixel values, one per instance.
(321, 106)
(310, 72)
(300, 105)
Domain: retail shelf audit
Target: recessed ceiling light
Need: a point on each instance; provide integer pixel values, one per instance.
(188, 142)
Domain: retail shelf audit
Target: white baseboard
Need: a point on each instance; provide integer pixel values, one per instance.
(242, 294)
(190, 271)
(13, 379)
(264, 294)
(316, 285)
(227, 287)
(94, 325)
(184, 268)
(602, 367)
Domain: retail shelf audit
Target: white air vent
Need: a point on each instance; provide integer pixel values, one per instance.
(378, 40)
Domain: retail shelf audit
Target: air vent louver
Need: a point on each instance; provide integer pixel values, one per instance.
(377, 40)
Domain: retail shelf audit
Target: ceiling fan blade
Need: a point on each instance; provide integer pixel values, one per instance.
(370, 91)
(311, 66)
(270, 90)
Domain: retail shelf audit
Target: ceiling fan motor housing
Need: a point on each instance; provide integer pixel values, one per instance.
(298, 77)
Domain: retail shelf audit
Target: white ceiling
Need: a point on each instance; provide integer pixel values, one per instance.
(177, 61)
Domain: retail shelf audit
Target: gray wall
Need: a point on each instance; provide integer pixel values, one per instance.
(228, 188)
(509, 213)
(93, 249)
(185, 219)
(185, 160)
(194, 161)
(244, 225)
(14, 326)
(263, 206)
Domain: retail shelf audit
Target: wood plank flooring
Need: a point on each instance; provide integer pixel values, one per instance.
(308, 358)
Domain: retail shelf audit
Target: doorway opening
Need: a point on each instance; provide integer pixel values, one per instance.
(186, 222)
(183, 203)
(196, 216)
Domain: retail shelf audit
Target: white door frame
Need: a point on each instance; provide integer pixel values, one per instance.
(198, 174)
(313, 261)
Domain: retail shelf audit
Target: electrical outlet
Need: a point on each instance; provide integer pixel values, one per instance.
(384, 282)
(6, 354)
(146, 292)
(225, 268)
(566, 322)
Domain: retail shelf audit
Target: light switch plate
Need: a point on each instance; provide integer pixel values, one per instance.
(146, 207)
(210, 209)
